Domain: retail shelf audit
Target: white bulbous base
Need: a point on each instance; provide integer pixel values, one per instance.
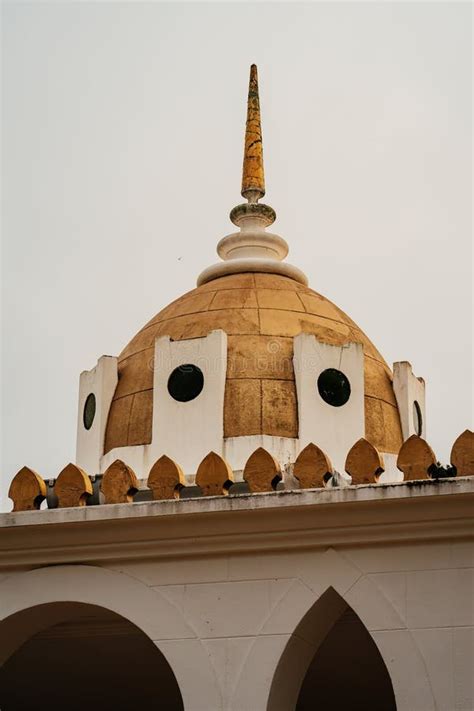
(254, 264)
(248, 244)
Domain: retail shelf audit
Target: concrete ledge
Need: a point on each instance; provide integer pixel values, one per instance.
(244, 502)
(420, 510)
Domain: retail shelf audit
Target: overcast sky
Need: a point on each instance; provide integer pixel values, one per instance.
(122, 149)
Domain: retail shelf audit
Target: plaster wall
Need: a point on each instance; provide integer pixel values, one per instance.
(415, 600)
(223, 622)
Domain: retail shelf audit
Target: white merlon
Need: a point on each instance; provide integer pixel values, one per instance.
(100, 382)
(188, 431)
(391, 473)
(333, 429)
(140, 457)
(285, 450)
(410, 394)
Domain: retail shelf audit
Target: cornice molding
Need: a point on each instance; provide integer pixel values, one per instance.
(235, 525)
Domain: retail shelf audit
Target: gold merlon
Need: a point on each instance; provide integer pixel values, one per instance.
(262, 473)
(253, 178)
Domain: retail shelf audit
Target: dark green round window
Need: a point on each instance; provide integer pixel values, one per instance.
(185, 382)
(89, 411)
(334, 387)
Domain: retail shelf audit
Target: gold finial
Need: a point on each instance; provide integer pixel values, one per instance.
(253, 178)
(252, 249)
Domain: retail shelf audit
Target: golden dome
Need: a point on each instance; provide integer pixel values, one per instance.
(261, 313)
(261, 302)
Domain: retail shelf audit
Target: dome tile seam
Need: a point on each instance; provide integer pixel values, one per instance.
(264, 377)
(135, 353)
(254, 290)
(248, 309)
(226, 287)
(214, 294)
(301, 302)
(344, 318)
(244, 377)
(201, 311)
(131, 393)
(130, 419)
(381, 399)
(382, 363)
(259, 319)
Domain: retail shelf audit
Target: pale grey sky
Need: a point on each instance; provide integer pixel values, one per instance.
(122, 147)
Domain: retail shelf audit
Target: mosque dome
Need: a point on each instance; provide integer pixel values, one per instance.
(250, 358)
(261, 313)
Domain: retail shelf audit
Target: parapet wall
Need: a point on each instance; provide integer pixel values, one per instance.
(214, 477)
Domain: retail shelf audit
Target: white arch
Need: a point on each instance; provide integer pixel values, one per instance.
(158, 618)
(292, 635)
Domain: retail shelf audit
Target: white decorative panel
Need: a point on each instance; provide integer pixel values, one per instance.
(410, 394)
(99, 384)
(332, 428)
(187, 431)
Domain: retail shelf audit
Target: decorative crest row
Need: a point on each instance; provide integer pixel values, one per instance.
(262, 473)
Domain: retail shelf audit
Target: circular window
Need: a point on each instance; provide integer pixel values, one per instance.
(417, 418)
(185, 382)
(89, 411)
(334, 387)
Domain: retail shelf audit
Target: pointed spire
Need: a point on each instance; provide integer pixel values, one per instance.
(253, 177)
(252, 249)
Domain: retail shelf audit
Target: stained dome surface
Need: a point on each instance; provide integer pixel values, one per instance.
(261, 313)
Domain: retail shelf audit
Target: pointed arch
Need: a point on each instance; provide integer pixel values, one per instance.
(281, 653)
(332, 658)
